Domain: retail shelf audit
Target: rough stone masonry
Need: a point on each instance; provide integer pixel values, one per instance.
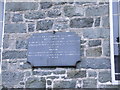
(90, 20)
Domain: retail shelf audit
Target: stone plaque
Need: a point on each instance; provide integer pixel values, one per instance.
(54, 49)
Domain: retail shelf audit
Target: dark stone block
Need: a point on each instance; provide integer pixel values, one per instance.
(92, 74)
(93, 43)
(59, 72)
(15, 28)
(6, 41)
(54, 13)
(64, 84)
(97, 22)
(14, 54)
(31, 27)
(35, 82)
(81, 22)
(104, 76)
(17, 18)
(21, 6)
(90, 83)
(21, 44)
(52, 77)
(25, 66)
(49, 82)
(93, 63)
(7, 17)
(76, 74)
(35, 15)
(44, 24)
(46, 5)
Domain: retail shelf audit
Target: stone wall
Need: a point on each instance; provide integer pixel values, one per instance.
(89, 20)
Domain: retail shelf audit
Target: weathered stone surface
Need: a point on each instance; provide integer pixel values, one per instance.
(97, 22)
(4, 65)
(49, 82)
(106, 47)
(21, 6)
(92, 73)
(7, 17)
(15, 28)
(110, 86)
(54, 13)
(64, 84)
(96, 33)
(90, 83)
(71, 11)
(81, 22)
(31, 27)
(76, 74)
(59, 72)
(25, 65)
(44, 24)
(97, 10)
(61, 24)
(17, 18)
(5, 41)
(10, 79)
(52, 77)
(94, 52)
(94, 63)
(104, 76)
(60, 2)
(42, 73)
(93, 43)
(21, 43)
(14, 54)
(35, 82)
(105, 21)
(35, 15)
(46, 5)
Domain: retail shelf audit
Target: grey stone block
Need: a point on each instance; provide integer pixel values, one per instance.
(105, 21)
(94, 63)
(60, 2)
(21, 43)
(104, 76)
(94, 52)
(92, 73)
(52, 77)
(35, 15)
(54, 13)
(14, 54)
(42, 73)
(46, 5)
(96, 33)
(17, 18)
(15, 28)
(76, 74)
(106, 47)
(109, 86)
(61, 24)
(7, 17)
(44, 24)
(90, 83)
(21, 6)
(35, 82)
(6, 41)
(81, 22)
(93, 43)
(59, 72)
(10, 79)
(71, 11)
(97, 10)
(4, 65)
(97, 22)
(64, 84)
(31, 27)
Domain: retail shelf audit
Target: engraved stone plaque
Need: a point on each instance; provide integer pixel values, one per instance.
(54, 49)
